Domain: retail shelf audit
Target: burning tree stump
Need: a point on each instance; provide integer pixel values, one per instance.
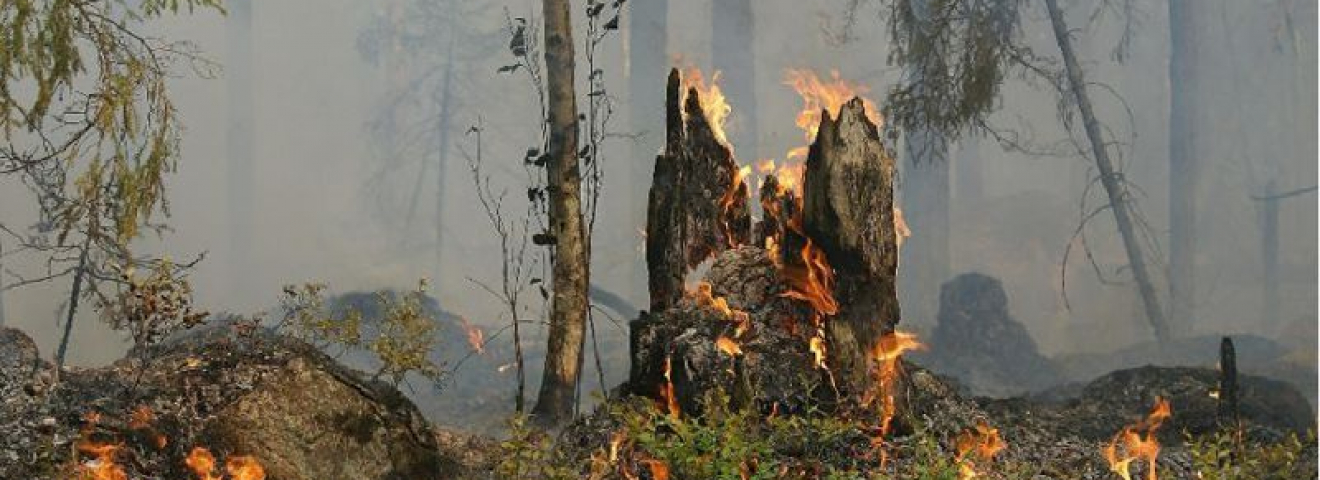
(791, 324)
(697, 205)
(848, 210)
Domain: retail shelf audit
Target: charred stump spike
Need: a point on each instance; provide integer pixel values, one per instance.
(1228, 385)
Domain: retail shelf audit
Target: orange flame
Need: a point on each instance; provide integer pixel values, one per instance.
(1138, 442)
(818, 95)
(659, 469)
(984, 442)
(713, 103)
(475, 337)
(901, 230)
(705, 297)
(102, 466)
(728, 346)
(667, 392)
(239, 467)
(886, 355)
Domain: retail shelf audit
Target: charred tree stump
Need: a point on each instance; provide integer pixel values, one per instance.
(697, 205)
(848, 210)
(1228, 385)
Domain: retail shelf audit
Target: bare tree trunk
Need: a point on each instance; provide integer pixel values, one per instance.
(732, 54)
(1118, 196)
(648, 64)
(1184, 173)
(568, 308)
(75, 293)
(239, 138)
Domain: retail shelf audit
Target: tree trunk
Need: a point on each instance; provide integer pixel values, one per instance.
(1184, 173)
(75, 293)
(1118, 196)
(848, 210)
(239, 145)
(697, 206)
(568, 307)
(647, 62)
(732, 54)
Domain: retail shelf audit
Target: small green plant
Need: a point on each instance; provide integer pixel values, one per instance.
(528, 454)
(403, 342)
(1225, 456)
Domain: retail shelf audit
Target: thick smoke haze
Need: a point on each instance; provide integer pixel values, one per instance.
(330, 200)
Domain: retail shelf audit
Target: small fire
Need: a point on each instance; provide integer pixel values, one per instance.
(713, 103)
(817, 346)
(818, 95)
(102, 466)
(901, 230)
(705, 297)
(239, 467)
(886, 355)
(475, 337)
(667, 392)
(659, 469)
(1138, 442)
(728, 346)
(984, 442)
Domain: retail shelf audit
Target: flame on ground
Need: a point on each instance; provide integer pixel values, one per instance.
(729, 346)
(982, 443)
(239, 467)
(1138, 442)
(886, 354)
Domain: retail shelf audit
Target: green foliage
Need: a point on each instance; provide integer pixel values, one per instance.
(955, 53)
(1224, 456)
(152, 306)
(529, 454)
(403, 341)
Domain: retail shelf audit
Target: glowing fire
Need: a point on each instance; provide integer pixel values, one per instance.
(983, 442)
(1138, 442)
(818, 95)
(102, 466)
(659, 469)
(728, 346)
(705, 297)
(713, 103)
(475, 337)
(886, 355)
(667, 392)
(239, 467)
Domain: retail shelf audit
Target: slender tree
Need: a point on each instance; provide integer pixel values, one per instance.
(1119, 197)
(1184, 169)
(568, 309)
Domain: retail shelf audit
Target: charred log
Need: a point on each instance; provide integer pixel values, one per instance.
(697, 205)
(848, 210)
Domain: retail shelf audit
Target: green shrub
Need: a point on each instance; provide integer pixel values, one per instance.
(1225, 456)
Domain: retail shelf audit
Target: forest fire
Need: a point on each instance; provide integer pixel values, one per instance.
(713, 103)
(828, 95)
(976, 448)
(1138, 442)
(886, 356)
(203, 464)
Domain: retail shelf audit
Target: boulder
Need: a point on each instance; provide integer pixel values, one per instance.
(979, 343)
(235, 392)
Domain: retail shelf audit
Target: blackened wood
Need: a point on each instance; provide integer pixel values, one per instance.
(697, 205)
(848, 211)
(1228, 384)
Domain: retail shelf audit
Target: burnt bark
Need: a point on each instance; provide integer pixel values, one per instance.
(697, 205)
(1228, 384)
(848, 211)
(568, 307)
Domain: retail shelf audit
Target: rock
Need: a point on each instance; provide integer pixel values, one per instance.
(978, 342)
(19, 357)
(298, 412)
(1271, 408)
